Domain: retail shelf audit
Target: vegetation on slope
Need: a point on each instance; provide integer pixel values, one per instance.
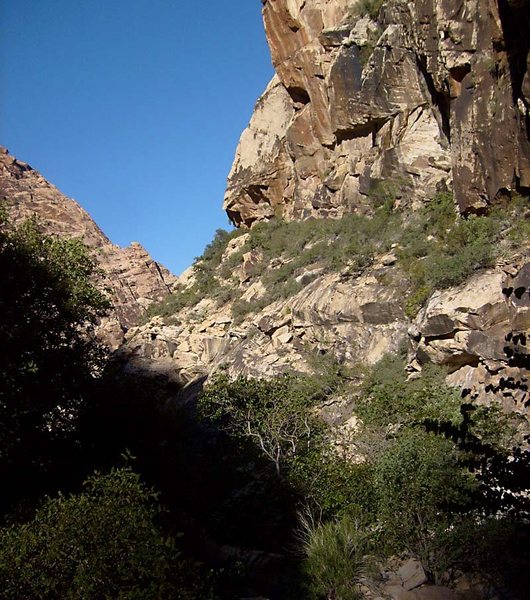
(436, 483)
(435, 249)
(421, 472)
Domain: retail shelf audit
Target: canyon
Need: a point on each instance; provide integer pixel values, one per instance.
(380, 198)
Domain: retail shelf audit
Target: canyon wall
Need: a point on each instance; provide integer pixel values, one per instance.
(132, 279)
(428, 95)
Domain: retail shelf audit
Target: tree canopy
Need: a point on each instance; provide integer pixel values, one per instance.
(48, 351)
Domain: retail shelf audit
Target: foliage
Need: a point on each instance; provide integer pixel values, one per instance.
(100, 543)
(367, 7)
(49, 304)
(312, 247)
(206, 282)
(420, 485)
(436, 249)
(439, 250)
(276, 415)
(334, 556)
(334, 485)
(498, 548)
(389, 398)
(444, 465)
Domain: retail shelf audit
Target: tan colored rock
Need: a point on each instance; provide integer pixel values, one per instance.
(479, 330)
(412, 574)
(281, 336)
(250, 261)
(428, 96)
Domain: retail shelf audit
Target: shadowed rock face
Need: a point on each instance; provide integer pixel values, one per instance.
(132, 278)
(435, 94)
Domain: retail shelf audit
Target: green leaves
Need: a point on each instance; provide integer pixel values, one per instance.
(275, 415)
(389, 399)
(101, 543)
(49, 303)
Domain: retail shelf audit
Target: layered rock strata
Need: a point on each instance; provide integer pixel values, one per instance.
(132, 278)
(478, 331)
(432, 94)
(353, 319)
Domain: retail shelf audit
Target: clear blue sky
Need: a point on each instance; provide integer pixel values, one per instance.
(134, 108)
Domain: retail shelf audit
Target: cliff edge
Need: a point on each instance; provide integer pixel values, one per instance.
(432, 94)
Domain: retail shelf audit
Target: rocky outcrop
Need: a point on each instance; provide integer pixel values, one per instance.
(433, 94)
(479, 332)
(132, 278)
(355, 320)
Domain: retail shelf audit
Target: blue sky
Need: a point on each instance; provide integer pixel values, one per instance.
(134, 108)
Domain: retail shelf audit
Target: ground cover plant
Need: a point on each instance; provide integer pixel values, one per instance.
(435, 249)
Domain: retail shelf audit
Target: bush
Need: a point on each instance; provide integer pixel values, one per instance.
(207, 283)
(440, 250)
(101, 543)
(275, 415)
(421, 485)
(335, 556)
(49, 305)
(389, 399)
(367, 7)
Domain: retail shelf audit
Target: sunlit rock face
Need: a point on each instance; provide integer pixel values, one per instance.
(479, 332)
(132, 279)
(433, 94)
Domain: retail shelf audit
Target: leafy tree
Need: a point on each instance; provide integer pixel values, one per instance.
(421, 487)
(275, 415)
(101, 543)
(49, 305)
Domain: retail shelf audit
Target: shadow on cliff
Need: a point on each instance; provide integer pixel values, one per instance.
(235, 515)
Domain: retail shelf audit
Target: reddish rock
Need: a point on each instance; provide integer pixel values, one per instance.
(132, 278)
(435, 94)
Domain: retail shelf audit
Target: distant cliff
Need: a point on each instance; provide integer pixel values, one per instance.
(431, 94)
(131, 277)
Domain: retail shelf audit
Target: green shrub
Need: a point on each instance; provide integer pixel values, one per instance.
(369, 8)
(457, 248)
(421, 485)
(207, 283)
(497, 548)
(334, 485)
(389, 399)
(101, 543)
(436, 249)
(275, 415)
(335, 556)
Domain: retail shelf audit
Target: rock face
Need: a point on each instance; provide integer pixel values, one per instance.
(333, 315)
(433, 94)
(480, 331)
(132, 278)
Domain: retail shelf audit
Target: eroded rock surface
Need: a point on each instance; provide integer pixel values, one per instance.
(433, 94)
(333, 315)
(132, 278)
(480, 332)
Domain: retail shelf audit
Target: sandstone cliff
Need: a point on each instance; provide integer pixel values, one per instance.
(132, 278)
(419, 98)
(431, 94)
